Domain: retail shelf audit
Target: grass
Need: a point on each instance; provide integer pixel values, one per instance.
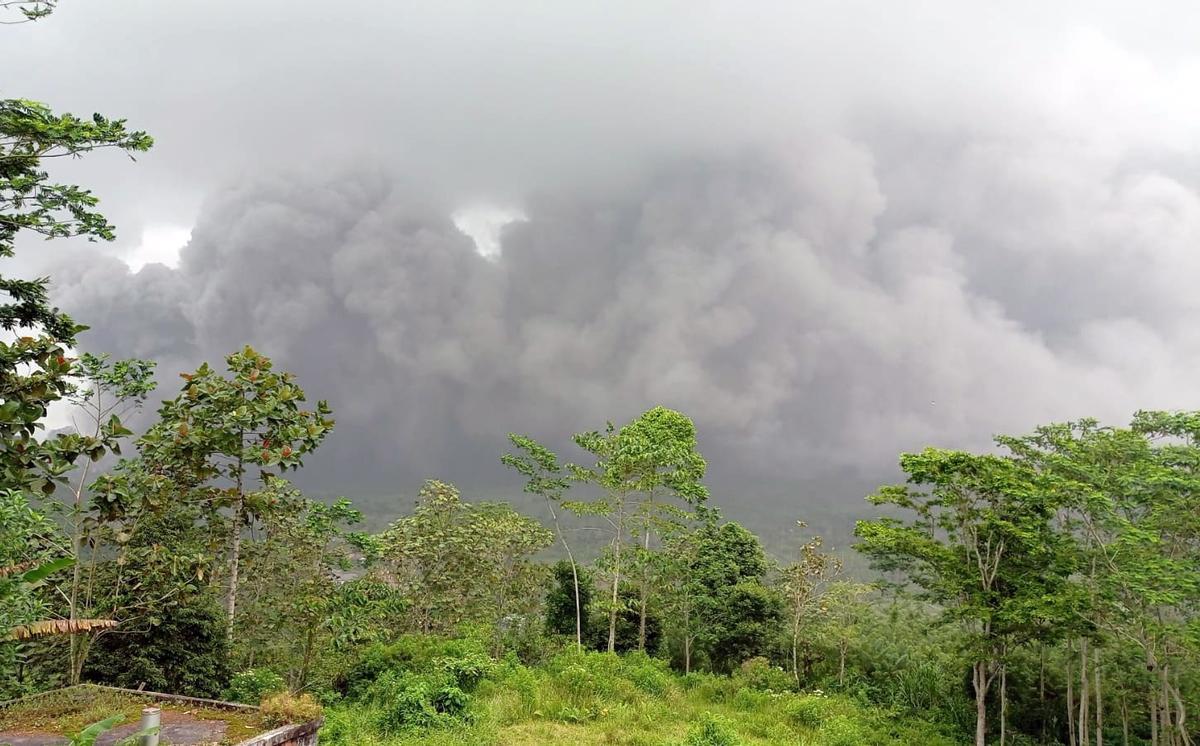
(70, 711)
(635, 701)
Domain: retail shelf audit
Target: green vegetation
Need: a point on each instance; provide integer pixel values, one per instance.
(1047, 592)
(599, 698)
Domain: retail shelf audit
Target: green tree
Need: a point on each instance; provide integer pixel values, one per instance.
(650, 461)
(802, 584)
(292, 583)
(105, 392)
(683, 592)
(1129, 507)
(185, 653)
(459, 562)
(980, 545)
(713, 581)
(210, 437)
(547, 478)
(35, 369)
(740, 613)
(146, 558)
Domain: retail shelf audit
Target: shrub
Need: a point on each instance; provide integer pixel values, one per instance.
(409, 653)
(468, 669)
(251, 685)
(758, 673)
(841, 731)
(284, 708)
(410, 706)
(185, 653)
(806, 712)
(750, 699)
(647, 674)
(435, 699)
(711, 730)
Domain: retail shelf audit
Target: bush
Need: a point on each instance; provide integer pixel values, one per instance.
(185, 653)
(284, 708)
(841, 731)
(711, 730)
(253, 684)
(340, 728)
(758, 673)
(807, 712)
(646, 673)
(436, 695)
(409, 653)
(468, 669)
(750, 699)
(410, 705)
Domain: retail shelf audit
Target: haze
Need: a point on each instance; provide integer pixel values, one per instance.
(828, 231)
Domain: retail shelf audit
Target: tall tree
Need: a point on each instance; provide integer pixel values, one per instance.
(1129, 506)
(291, 592)
(107, 391)
(648, 462)
(802, 583)
(548, 479)
(980, 544)
(219, 428)
(35, 366)
(713, 581)
(462, 562)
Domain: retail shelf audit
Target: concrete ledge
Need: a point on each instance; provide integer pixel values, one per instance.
(304, 734)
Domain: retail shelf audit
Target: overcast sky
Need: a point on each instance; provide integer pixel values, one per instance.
(829, 231)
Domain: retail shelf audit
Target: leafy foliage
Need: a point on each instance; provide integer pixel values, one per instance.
(35, 369)
(460, 562)
(253, 684)
(184, 653)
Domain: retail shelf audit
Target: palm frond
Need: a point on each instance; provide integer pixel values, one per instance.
(59, 627)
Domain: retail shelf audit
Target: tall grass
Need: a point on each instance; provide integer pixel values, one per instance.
(597, 698)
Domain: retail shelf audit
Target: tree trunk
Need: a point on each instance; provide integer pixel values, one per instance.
(1165, 728)
(980, 681)
(235, 549)
(578, 605)
(306, 662)
(1152, 700)
(612, 613)
(642, 618)
(574, 576)
(1180, 714)
(1099, 694)
(1042, 687)
(645, 590)
(795, 648)
(1124, 721)
(1070, 696)
(1084, 732)
(1003, 703)
(78, 650)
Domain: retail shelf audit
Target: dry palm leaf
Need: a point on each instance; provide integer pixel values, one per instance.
(59, 627)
